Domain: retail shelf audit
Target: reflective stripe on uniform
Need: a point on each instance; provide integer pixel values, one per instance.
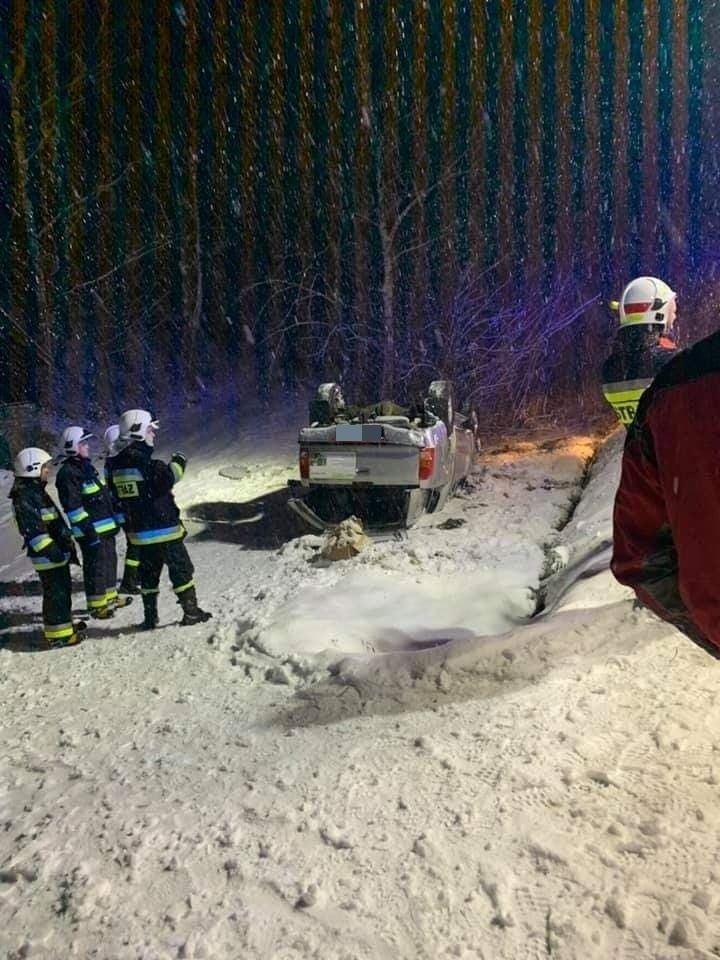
(144, 537)
(91, 487)
(79, 513)
(48, 514)
(127, 475)
(624, 396)
(41, 541)
(149, 591)
(178, 471)
(56, 631)
(95, 602)
(104, 526)
(132, 563)
(184, 586)
(627, 386)
(42, 563)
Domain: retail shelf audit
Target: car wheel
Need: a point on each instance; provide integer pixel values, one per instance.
(474, 424)
(440, 401)
(331, 393)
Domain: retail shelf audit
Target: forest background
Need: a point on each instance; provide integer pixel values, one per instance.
(260, 195)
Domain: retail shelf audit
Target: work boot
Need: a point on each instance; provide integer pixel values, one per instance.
(102, 613)
(119, 602)
(192, 613)
(151, 612)
(74, 638)
(80, 626)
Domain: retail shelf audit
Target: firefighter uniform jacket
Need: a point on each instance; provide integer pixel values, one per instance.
(630, 369)
(144, 488)
(41, 525)
(666, 523)
(118, 509)
(85, 499)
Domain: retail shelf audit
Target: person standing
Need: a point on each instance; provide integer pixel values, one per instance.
(642, 345)
(88, 506)
(49, 544)
(666, 518)
(144, 487)
(112, 446)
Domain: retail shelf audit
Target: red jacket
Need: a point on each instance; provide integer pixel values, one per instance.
(666, 536)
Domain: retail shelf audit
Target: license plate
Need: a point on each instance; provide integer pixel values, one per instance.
(332, 466)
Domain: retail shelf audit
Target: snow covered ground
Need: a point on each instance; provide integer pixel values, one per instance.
(385, 757)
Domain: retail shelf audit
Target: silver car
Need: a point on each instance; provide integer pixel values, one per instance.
(383, 463)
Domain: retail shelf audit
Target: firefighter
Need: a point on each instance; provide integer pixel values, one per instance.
(642, 345)
(112, 446)
(666, 521)
(49, 545)
(88, 506)
(144, 487)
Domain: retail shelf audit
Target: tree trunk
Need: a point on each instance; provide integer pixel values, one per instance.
(388, 315)
(35, 321)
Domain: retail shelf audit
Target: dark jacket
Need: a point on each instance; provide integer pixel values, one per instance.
(638, 354)
(85, 499)
(45, 534)
(666, 536)
(118, 509)
(143, 486)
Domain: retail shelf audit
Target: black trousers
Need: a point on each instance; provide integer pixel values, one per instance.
(109, 561)
(99, 572)
(174, 555)
(57, 602)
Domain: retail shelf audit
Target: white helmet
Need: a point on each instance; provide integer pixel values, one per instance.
(645, 300)
(30, 461)
(71, 438)
(134, 424)
(110, 437)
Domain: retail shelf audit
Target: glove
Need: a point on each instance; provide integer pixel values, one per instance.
(180, 459)
(55, 554)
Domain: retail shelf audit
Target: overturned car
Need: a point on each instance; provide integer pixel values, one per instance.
(384, 463)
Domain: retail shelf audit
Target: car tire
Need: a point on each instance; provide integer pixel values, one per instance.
(437, 498)
(474, 424)
(332, 394)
